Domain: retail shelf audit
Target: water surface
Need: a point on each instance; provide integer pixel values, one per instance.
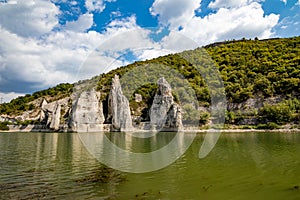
(241, 166)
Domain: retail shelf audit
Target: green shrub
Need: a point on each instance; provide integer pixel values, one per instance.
(204, 117)
(190, 114)
(269, 125)
(4, 126)
(281, 113)
(28, 122)
(230, 117)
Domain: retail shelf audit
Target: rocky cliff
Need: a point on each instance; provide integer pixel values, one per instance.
(87, 112)
(118, 107)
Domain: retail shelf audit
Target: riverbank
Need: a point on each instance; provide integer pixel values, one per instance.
(34, 128)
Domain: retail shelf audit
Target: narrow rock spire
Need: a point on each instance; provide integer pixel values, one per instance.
(118, 107)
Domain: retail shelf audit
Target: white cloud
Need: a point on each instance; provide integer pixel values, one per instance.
(28, 63)
(29, 18)
(121, 35)
(247, 21)
(298, 3)
(175, 12)
(146, 54)
(233, 19)
(83, 23)
(231, 3)
(226, 3)
(126, 34)
(6, 97)
(11, 2)
(284, 1)
(46, 62)
(94, 5)
(33, 62)
(178, 42)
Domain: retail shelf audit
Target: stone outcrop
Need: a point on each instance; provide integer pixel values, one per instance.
(118, 108)
(164, 112)
(50, 113)
(83, 112)
(87, 112)
(174, 117)
(43, 110)
(55, 121)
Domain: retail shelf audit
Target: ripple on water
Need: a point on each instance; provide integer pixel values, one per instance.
(241, 166)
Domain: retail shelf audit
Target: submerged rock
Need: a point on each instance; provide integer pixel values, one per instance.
(118, 107)
(87, 112)
(164, 112)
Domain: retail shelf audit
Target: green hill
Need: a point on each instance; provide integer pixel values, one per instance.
(262, 71)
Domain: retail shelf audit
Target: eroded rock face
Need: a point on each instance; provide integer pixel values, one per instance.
(164, 112)
(87, 112)
(55, 121)
(50, 113)
(161, 104)
(43, 110)
(118, 107)
(174, 117)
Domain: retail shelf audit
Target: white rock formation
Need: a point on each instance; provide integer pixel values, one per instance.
(43, 110)
(118, 107)
(87, 112)
(164, 112)
(55, 120)
(50, 113)
(174, 117)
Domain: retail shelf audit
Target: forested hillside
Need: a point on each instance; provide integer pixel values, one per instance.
(267, 71)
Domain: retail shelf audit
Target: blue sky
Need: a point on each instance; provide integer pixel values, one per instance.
(43, 43)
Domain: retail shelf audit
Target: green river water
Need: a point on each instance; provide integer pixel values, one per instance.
(241, 166)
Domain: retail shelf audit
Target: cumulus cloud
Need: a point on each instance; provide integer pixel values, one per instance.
(94, 5)
(83, 23)
(178, 42)
(230, 3)
(121, 35)
(247, 21)
(232, 19)
(174, 13)
(29, 64)
(6, 97)
(29, 18)
(33, 64)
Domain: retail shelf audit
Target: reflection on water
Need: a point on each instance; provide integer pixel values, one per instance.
(241, 166)
(112, 150)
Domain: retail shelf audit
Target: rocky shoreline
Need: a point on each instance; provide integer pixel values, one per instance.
(144, 127)
(31, 128)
